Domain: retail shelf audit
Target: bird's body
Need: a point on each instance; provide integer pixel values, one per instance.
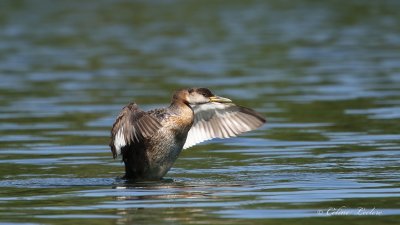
(157, 154)
(150, 142)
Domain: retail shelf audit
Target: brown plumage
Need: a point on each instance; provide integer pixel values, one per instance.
(150, 142)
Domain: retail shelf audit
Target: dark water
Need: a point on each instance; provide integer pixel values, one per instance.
(325, 73)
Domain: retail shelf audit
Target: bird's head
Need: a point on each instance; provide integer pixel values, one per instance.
(194, 96)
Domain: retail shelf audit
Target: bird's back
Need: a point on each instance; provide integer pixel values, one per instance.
(160, 114)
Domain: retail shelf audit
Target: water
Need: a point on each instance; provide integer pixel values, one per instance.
(326, 75)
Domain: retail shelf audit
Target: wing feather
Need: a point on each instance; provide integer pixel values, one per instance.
(131, 127)
(221, 120)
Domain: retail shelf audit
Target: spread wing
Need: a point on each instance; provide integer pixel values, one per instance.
(131, 127)
(221, 120)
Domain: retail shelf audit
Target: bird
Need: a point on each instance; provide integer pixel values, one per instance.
(150, 142)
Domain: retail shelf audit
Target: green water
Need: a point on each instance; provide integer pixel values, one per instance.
(325, 73)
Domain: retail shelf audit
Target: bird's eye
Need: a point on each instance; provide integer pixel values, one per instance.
(190, 90)
(204, 91)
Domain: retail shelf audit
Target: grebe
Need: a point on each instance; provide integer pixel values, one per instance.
(150, 142)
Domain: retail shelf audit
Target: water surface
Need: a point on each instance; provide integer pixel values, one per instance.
(326, 75)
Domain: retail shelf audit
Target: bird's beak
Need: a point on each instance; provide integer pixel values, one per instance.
(220, 99)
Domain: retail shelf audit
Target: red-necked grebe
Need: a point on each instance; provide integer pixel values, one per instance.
(150, 142)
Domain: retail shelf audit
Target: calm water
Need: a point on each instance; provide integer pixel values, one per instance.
(325, 73)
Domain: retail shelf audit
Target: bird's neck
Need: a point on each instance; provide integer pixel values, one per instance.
(183, 113)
